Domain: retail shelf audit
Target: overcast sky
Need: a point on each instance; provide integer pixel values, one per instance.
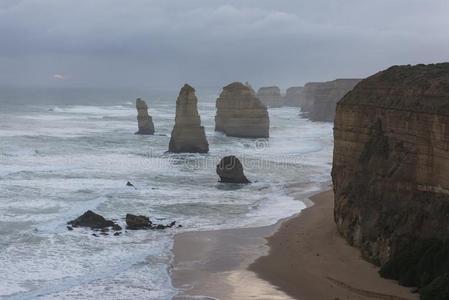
(164, 43)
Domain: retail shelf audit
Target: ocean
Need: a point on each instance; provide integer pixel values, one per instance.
(63, 152)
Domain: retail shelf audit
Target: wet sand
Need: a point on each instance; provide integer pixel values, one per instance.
(300, 258)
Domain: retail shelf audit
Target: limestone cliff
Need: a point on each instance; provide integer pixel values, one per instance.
(144, 120)
(320, 98)
(294, 96)
(391, 172)
(270, 96)
(188, 135)
(240, 113)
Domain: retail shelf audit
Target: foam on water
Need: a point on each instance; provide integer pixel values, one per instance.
(59, 161)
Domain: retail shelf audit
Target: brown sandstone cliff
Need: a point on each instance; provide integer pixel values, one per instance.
(188, 135)
(320, 98)
(391, 161)
(144, 120)
(240, 113)
(270, 96)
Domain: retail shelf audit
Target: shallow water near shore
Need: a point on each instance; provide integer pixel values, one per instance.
(59, 160)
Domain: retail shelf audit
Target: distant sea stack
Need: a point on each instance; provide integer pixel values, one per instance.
(240, 113)
(144, 120)
(188, 135)
(293, 96)
(320, 98)
(271, 96)
(391, 174)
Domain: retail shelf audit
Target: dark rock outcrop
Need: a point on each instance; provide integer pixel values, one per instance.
(391, 173)
(134, 222)
(240, 113)
(270, 96)
(94, 221)
(144, 120)
(294, 96)
(320, 98)
(188, 135)
(230, 170)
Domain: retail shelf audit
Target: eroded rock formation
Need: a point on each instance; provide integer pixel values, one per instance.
(320, 98)
(391, 172)
(240, 113)
(230, 170)
(93, 221)
(188, 135)
(270, 96)
(294, 96)
(144, 120)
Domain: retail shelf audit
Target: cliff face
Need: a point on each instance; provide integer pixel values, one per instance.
(188, 135)
(391, 170)
(270, 96)
(294, 96)
(240, 113)
(144, 121)
(320, 98)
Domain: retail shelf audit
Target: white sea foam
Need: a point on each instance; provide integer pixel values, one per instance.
(57, 164)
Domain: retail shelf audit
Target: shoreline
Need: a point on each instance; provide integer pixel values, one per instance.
(300, 257)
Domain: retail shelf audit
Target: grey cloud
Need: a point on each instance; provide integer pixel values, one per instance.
(165, 42)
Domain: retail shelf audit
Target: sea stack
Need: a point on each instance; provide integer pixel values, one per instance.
(270, 96)
(293, 96)
(144, 120)
(320, 98)
(230, 170)
(391, 174)
(240, 113)
(188, 135)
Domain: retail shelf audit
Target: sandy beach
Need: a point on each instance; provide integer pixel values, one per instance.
(299, 258)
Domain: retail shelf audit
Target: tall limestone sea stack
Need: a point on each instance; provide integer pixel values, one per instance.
(391, 174)
(320, 98)
(293, 96)
(240, 113)
(188, 135)
(144, 120)
(270, 96)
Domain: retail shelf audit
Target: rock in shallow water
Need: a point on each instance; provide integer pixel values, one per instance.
(94, 221)
(134, 222)
(240, 113)
(188, 136)
(230, 170)
(144, 120)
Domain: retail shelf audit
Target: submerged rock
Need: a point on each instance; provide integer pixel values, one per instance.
(94, 221)
(230, 170)
(144, 120)
(270, 96)
(188, 135)
(240, 113)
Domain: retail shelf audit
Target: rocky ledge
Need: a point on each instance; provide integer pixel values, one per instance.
(320, 98)
(144, 120)
(240, 113)
(270, 96)
(391, 174)
(188, 135)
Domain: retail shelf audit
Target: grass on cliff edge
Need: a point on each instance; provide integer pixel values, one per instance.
(424, 264)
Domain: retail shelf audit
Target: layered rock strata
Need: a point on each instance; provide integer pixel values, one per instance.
(270, 96)
(320, 98)
(144, 120)
(391, 173)
(188, 135)
(240, 113)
